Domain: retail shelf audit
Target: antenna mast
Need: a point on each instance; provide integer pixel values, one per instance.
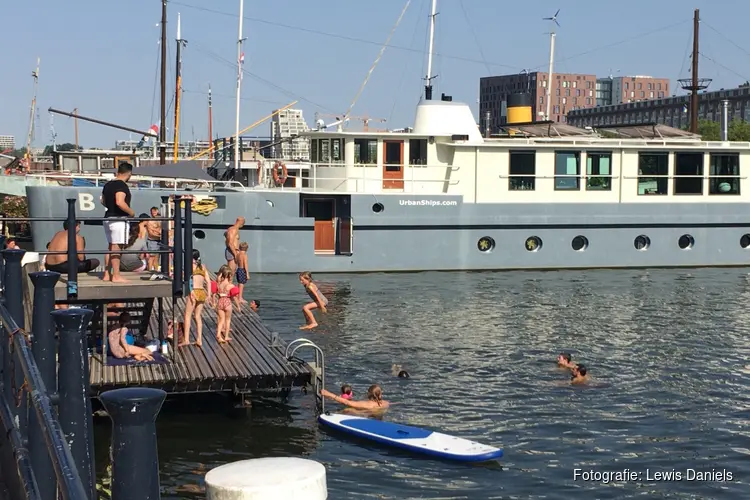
(163, 121)
(240, 61)
(694, 84)
(35, 75)
(178, 87)
(429, 77)
(210, 120)
(551, 63)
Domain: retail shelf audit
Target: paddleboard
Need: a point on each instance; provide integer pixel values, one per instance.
(414, 439)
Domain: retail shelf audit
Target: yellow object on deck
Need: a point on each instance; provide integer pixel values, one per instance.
(205, 206)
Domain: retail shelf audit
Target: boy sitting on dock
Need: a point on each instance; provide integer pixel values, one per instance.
(118, 343)
(319, 300)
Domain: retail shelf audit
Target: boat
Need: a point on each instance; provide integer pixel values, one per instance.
(440, 196)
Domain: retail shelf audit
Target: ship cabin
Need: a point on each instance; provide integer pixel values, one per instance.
(528, 162)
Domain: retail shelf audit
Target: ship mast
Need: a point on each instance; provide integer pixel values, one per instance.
(210, 119)
(178, 88)
(163, 122)
(429, 77)
(240, 60)
(35, 75)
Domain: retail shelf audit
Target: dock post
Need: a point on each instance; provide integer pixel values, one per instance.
(268, 479)
(43, 348)
(70, 222)
(2, 264)
(13, 380)
(178, 257)
(165, 236)
(74, 387)
(188, 242)
(135, 458)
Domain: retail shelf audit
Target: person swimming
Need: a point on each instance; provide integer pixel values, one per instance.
(346, 391)
(564, 360)
(374, 399)
(403, 374)
(578, 374)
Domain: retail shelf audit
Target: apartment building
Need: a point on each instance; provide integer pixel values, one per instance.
(568, 91)
(624, 89)
(286, 125)
(671, 111)
(7, 142)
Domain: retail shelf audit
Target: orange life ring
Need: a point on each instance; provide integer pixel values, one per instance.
(279, 179)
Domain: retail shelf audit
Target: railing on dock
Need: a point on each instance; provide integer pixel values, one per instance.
(47, 445)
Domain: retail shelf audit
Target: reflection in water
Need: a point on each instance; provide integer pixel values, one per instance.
(666, 351)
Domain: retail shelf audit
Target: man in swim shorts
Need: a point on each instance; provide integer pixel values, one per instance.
(116, 197)
(232, 242)
(153, 243)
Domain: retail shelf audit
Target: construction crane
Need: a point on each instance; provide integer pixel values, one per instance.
(32, 114)
(364, 119)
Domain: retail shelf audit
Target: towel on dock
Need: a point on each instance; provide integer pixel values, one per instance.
(158, 360)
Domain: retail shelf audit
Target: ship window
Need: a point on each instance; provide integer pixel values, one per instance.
(642, 242)
(653, 173)
(314, 148)
(533, 244)
(599, 171)
(579, 243)
(337, 152)
(366, 151)
(745, 241)
(688, 170)
(686, 242)
(418, 152)
(724, 174)
(567, 170)
(324, 151)
(522, 171)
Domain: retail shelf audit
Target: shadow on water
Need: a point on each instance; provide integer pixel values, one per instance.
(666, 351)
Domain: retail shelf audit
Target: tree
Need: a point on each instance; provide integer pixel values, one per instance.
(739, 130)
(709, 130)
(60, 147)
(18, 153)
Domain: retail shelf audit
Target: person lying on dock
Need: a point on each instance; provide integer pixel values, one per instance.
(564, 360)
(319, 300)
(374, 400)
(118, 343)
(578, 375)
(59, 243)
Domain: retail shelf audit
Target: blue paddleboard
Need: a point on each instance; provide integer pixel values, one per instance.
(414, 439)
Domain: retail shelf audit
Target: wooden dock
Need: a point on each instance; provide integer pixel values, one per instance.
(249, 362)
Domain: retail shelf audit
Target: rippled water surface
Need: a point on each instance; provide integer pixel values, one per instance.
(668, 352)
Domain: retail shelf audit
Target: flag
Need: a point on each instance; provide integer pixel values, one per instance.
(152, 133)
(242, 58)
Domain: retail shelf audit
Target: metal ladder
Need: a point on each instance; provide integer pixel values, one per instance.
(319, 378)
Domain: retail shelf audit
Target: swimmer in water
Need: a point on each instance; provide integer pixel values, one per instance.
(578, 374)
(564, 360)
(374, 400)
(346, 391)
(403, 374)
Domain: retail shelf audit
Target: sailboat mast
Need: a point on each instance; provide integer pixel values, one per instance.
(163, 122)
(178, 89)
(429, 77)
(35, 75)
(549, 74)
(240, 61)
(210, 120)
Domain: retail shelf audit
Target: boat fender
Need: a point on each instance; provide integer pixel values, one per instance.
(279, 173)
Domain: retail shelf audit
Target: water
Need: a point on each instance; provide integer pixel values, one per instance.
(667, 351)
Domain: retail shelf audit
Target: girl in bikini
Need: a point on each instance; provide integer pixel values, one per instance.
(319, 301)
(200, 291)
(224, 305)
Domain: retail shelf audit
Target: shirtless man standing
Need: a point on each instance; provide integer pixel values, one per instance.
(233, 243)
(153, 243)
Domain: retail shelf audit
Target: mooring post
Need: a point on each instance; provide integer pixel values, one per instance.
(165, 236)
(135, 458)
(177, 277)
(43, 348)
(188, 241)
(70, 222)
(75, 405)
(14, 304)
(2, 264)
(268, 479)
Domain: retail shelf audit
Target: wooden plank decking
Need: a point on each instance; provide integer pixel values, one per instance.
(248, 362)
(92, 288)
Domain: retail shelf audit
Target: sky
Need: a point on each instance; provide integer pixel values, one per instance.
(101, 56)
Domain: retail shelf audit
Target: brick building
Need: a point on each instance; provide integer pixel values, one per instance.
(624, 89)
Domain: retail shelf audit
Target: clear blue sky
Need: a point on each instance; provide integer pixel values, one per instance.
(101, 56)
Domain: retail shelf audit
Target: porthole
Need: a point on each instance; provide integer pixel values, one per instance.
(378, 207)
(642, 242)
(580, 243)
(486, 244)
(199, 234)
(533, 243)
(745, 241)
(686, 242)
(270, 203)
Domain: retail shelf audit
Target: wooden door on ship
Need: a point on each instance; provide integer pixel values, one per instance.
(393, 164)
(323, 210)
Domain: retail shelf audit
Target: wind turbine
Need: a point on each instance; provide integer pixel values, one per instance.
(551, 61)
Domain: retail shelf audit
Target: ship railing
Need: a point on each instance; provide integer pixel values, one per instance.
(366, 182)
(62, 178)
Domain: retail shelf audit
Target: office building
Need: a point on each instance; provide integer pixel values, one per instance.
(568, 91)
(624, 89)
(7, 142)
(671, 111)
(286, 125)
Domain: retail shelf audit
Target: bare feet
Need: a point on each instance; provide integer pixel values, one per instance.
(227, 339)
(183, 344)
(308, 327)
(106, 277)
(119, 279)
(199, 343)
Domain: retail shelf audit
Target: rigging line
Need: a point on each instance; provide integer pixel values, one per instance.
(736, 45)
(722, 66)
(406, 66)
(156, 81)
(377, 60)
(228, 96)
(282, 90)
(686, 56)
(474, 35)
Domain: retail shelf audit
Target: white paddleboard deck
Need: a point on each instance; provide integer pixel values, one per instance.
(414, 439)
